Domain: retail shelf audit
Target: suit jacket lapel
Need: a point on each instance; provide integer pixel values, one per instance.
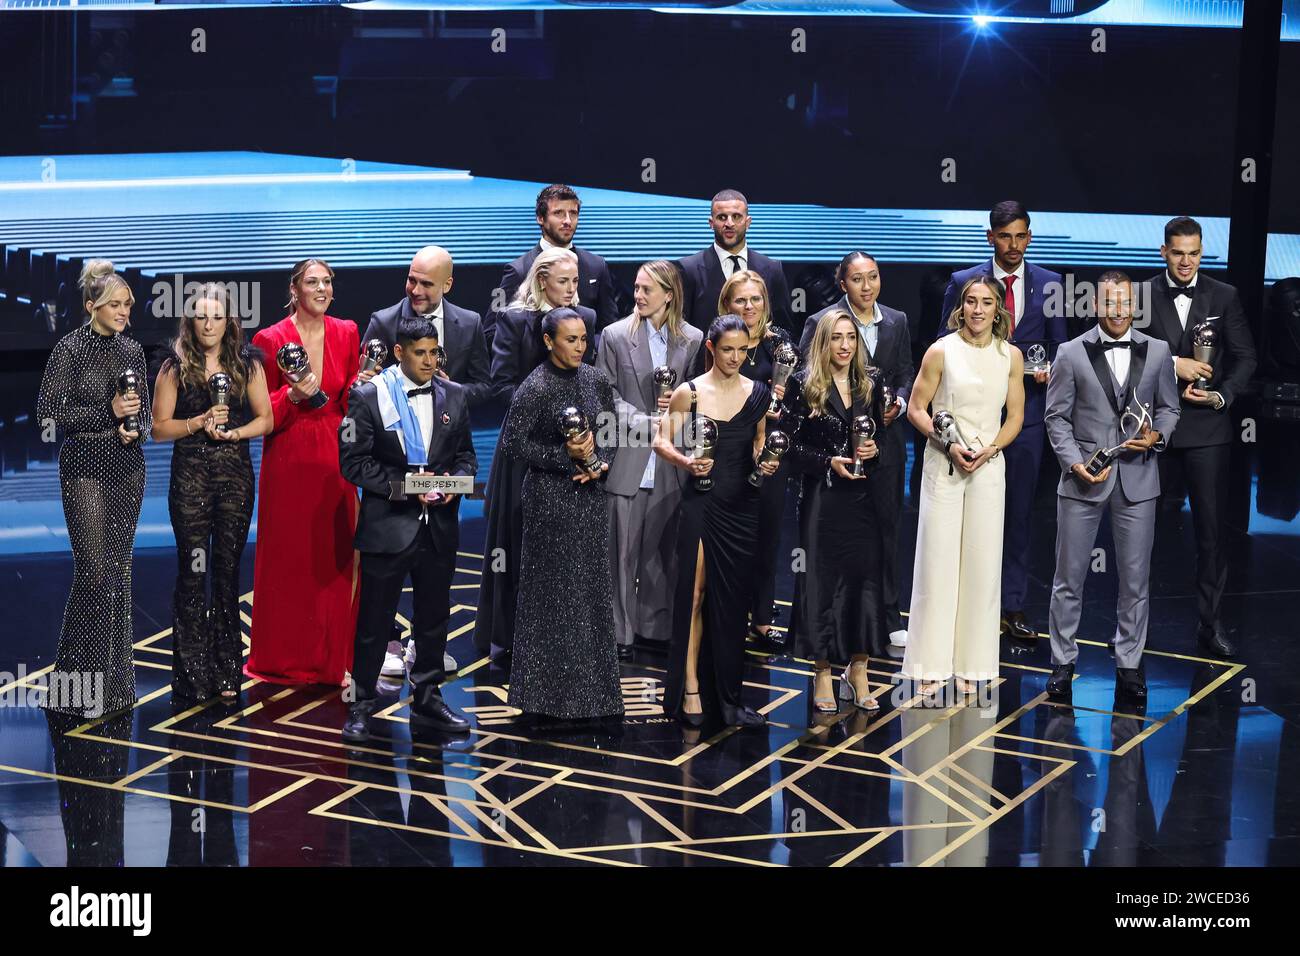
(1136, 363)
(1097, 358)
(836, 402)
(642, 361)
(439, 403)
(714, 279)
(1195, 316)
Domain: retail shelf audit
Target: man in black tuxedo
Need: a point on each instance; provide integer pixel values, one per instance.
(1178, 300)
(405, 419)
(557, 216)
(885, 342)
(460, 331)
(704, 273)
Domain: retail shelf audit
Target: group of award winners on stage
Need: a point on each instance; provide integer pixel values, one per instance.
(636, 492)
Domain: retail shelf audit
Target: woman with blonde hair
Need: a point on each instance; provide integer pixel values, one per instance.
(745, 294)
(94, 392)
(212, 488)
(966, 382)
(517, 349)
(304, 595)
(839, 606)
(644, 490)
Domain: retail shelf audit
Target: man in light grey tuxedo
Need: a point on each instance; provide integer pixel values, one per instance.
(644, 490)
(1096, 378)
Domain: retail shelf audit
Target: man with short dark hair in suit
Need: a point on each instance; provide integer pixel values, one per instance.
(1179, 300)
(405, 419)
(885, 343)
(704, 273)
(460, 331)
(557, 217)
(1111, 388)
(1027, 289)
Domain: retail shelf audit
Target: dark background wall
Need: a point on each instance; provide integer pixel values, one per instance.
(864, 117)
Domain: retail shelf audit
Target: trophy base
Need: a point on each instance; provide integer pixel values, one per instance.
(317, 400)
(703, 484)
(1099, 462)
(1035, 369)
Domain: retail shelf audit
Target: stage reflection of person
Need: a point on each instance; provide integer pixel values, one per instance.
(93, 817)
(405, 420)
(211, 493)
(974, 376)
(718, 533)
(101, 477)
(202, 823)
(517, 348)
(839, 612)
(644, 490)
(564, 664)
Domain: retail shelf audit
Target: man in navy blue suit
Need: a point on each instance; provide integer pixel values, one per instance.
(1027, 287)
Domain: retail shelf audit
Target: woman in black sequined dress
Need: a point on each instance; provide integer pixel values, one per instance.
(211, 493)
(101, 475)
(565, 664)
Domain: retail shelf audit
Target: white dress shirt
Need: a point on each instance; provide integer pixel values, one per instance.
(869, 331)
(436, 316)
(1183, 303)
(724, 257)
(1017, 287)
(1118, 359)
(657, 339)
(422, 406)
(547, 244)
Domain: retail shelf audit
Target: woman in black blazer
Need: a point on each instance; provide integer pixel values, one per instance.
(839, 611)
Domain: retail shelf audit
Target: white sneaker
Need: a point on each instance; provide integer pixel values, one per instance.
(449, 663)
(394, 666)
(898, 638)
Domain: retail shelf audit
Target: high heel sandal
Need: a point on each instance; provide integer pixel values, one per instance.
(823, 705)
(967, 688)
(691, 720)
(848, 692)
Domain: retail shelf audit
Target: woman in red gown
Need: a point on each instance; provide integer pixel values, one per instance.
(304, 595)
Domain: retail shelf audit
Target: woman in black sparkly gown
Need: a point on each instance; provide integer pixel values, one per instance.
(517, 349)
(101, 475)
(211, 493)
(718, 534)
(565, 664)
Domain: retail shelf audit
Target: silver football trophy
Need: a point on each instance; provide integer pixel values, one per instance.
(776, 445)
(294, 363)
(573, 425)
(864, 430)
(1131, 425)
(219, 391)
(128, 384)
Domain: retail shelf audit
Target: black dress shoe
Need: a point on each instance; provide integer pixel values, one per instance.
(743, 717)
(624, 652)
(1061, 681)
(1016, 627)
(1130, 683)
(1215, 640)
(356, 729)
(437, 713)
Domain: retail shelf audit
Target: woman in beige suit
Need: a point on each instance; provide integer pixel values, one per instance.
(971, 375)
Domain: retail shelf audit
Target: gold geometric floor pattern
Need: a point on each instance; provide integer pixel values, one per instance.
(666, 794)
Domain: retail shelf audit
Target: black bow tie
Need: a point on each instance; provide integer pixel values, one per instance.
(426, 390)
(1176, 290)
(1116, 345)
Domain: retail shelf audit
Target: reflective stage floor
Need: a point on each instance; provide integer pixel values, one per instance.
(1206, 776)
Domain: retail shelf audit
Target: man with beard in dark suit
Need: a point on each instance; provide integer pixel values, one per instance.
(704, 273)
(460, 331)
(557, 217)
(403, 420)
(1179, 300)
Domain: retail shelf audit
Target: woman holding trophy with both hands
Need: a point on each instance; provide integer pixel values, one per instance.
(721, 417)
(833, 413)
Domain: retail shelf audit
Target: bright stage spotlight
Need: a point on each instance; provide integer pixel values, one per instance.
(981, 21)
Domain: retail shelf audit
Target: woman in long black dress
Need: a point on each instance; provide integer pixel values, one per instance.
(517, 349)
(839, 608)
(718, 534)
(565, 663)
(745, 295)
(101, 475)
(211, 493)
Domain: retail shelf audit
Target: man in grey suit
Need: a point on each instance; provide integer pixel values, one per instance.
(460, 331)
(644, 490)
(1096, 378)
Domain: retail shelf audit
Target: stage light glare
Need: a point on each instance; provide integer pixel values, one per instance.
(981, 21)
